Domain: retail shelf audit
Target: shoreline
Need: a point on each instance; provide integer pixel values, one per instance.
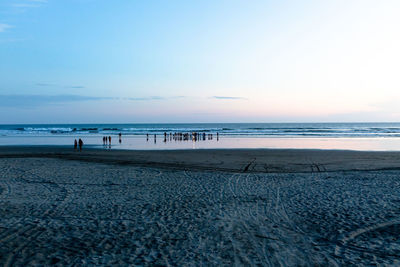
(224, 142)
(230, 160)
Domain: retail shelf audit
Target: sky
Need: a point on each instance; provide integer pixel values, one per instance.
(127, 61)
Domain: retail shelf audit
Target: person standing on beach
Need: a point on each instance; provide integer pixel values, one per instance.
(75, 145)
(109, 140)
(80, 144)
(120, 137)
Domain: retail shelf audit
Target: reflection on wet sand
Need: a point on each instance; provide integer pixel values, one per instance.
(142, 142)
(194, 136)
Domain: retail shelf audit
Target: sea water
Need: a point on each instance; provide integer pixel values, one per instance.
(354, 136)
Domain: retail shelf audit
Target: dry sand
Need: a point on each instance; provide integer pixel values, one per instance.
(199, 207)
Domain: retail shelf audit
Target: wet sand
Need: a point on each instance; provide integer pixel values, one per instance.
(203, 207)
(231, 160)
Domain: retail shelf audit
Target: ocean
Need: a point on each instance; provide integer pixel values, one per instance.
(356, 136)
(228, 129)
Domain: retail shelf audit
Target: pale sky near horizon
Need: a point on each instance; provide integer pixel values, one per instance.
(94, 61)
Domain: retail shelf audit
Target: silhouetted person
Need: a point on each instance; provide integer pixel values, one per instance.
(217, 136)
(80, 144)
(147, 135)
(109, 140)
(155, 138)
(104, 140)
(75, 145)
(120, 137)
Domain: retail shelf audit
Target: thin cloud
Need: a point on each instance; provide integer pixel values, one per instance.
(39, 100)
(149, 98)
(42, 100)
(4, 27)
(65, 86)
(146, 98)
(228, 98)
(25, 5)
(76, 87)
(29, 4)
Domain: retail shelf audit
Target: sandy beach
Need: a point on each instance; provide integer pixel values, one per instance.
(230, 160)
(199, 207)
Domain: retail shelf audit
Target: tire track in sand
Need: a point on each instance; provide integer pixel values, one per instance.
(343, 242)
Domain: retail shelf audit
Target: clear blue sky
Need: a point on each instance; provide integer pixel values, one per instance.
(67, 61)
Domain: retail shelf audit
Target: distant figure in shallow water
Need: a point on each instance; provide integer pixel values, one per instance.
(120, 137)
(109, 140)
(75, 145)
(147, 135)
(80, 144)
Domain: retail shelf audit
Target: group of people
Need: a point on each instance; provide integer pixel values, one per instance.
(195, 136)
(76, 143)
(106, 141)
(177, 136)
